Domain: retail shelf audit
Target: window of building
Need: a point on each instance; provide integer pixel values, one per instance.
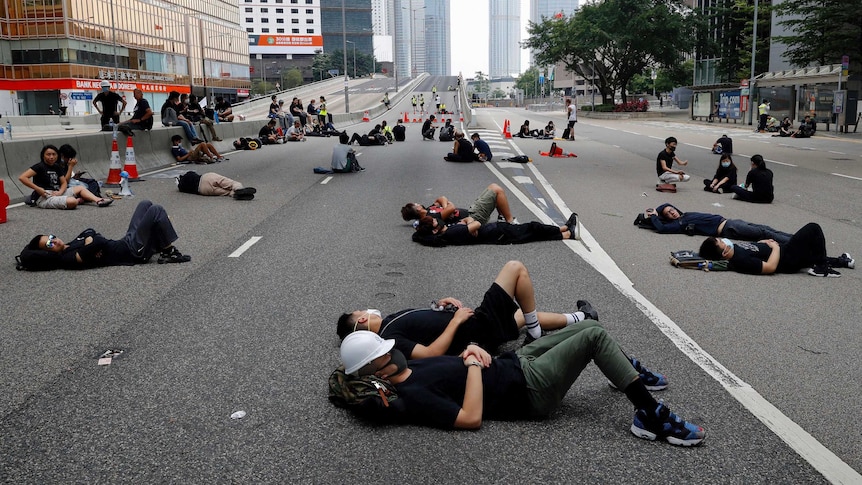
(250, 30)
(264, 20)
(294, 10)
(309, 21)
(295, 31)
(248, 9)
(294, 21)
(309, 31)
(264, 30)
(309, 2)
(279, 10)
(279, 31)
(294, 1)
(309, 11)
(249, 19)
(264, 10)
(279, 21)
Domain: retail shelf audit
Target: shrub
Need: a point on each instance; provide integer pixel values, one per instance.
(632, 106)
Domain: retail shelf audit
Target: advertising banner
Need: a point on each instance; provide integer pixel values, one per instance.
(729, 105)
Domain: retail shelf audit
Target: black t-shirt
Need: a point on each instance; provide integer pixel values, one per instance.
(399, 131)
(273, 109)
(48, 176)
(729, 172)
(100, 252)
(109, 100)
(434, 392)
(726, 144)
(748, 257)
(668, 159)
(223, 106)
(418, 326)
(456, 215)
(761, 181)
(265, 132)
(465, 149)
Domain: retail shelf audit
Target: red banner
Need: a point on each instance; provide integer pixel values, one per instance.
(88, 84)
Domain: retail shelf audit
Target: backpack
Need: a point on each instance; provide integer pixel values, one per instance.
(189, 182)
(671, 188)
(247, 144)
(691, 260)
(367, 396)
(519, 159)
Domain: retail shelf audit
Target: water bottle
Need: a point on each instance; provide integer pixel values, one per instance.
(705, 266)
(215, 115)
(113, 128)
(9, 129)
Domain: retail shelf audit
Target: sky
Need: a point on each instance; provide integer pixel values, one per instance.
(469, 36)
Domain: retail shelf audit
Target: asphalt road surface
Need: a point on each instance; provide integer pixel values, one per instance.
(768, 365)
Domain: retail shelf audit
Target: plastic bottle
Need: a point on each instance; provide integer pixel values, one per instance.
(215, 115)
(9, 130)
(705, 266)
(113, 128)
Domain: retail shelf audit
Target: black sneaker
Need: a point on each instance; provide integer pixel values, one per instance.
(245, 193)
(173, 256)
(572, 224)
(589, 312)
(824, 271)
(530, 339)
(847, 261)
(660, 423)
(653, 381)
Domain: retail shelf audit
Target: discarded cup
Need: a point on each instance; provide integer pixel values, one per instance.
(238, 415)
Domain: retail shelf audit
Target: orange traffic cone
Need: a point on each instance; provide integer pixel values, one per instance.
(4, 201)
(131, 165)
(462, 115)
(506, 133)
(406, 119)
(365, 117)
(115, 167)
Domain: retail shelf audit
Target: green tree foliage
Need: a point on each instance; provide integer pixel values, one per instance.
(528, 82)
(824, 30)
(481, 85)
(621, 38)
(293, 78)
(324, 62)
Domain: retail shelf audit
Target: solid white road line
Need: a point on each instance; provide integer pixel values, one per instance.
(245, 246)
(821, 458)
(846, 176)
(326, 180)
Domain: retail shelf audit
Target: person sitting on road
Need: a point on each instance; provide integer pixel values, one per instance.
(723, 145)
(484, 151)
(201, 153)
(491, 199)
(724, 178)
(224, 109)
(195, 113)
(462, 150)
(267, 134)
(525, 131)
(527, 384)
(171, 113)
(667, 219)
(664, 164)
(806, 129)
(295, 132)
(399, 131)
(758, 186)
(468, 231)
(344, 157)
(213, 184)
(786, 128)
(373, 138)
(142, 116)
(448, 326)
(805, 249)
(428, 128)
(51, 190)
(549, 132)
(67, 163)
(447, 132)
(386, 131)
(150, 232)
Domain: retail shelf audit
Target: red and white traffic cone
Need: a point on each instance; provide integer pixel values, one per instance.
(115, 167)
(131, 165)
(365, 117)
(4, 201)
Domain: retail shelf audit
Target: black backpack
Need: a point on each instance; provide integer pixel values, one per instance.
(189, 182)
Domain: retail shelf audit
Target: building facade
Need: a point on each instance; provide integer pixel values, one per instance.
(55, 53)
(438, 47)
(505, 33)
(548, 9)
(356, 27)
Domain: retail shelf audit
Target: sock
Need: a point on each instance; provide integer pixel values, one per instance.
(532, 322)
(574, 317)
(638, 394)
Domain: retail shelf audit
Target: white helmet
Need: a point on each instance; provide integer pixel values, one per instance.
(361, 347)
(105, 84)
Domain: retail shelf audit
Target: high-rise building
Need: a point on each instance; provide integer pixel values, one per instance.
(438, 55)
(549, 9)
(505, 34)
(57, 52)
(356, 27)
(409, 38)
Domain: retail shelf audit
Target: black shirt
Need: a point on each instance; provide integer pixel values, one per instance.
(668, 159)
(109, 100)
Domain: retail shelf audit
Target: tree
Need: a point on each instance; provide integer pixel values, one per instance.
(293, 78)
(498, 93)
(823, 31)
(619, 38)
(481, 84)
(528, 82)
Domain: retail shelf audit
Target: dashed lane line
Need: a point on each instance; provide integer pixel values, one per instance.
(245, 246)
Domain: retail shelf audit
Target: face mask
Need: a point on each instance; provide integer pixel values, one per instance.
(727, 242)
(397, 358)
(725, 164)
(372, 311)
(672, 149)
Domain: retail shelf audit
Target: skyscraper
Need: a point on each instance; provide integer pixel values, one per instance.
(548, 9)
(438, 56)
(505, 34)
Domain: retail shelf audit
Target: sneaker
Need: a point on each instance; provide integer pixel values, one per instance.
(503, 219)
(824, 271)
(652, 380)
(847, 260)
(589, 312)
(663, 424)
(173, 256)
(104, 202)
(530, 339)
(245, 193)
(572, 224)
(215, 138)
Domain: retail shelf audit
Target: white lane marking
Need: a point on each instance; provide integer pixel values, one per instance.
(837, 153)
(806, 446)
(251, 242)
(615, 146)
(768, 160)
(12, 206)
(697, 146)
(326, 180)
(846, 176)
(522, 179)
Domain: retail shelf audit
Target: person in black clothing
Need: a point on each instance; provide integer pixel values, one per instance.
(195, 113)
(431, 232)
(108, 109)
(724, 178)
(150, 232)
(224, 109)
(462, 151)
(786, 128)
(667, 219)
(428, 129)
(373, 138)
(142, 117)
(758, 183)
(267, 133)
(806, 129)
(447, 132)
(399, 131)
(726, 144)
(805, 249)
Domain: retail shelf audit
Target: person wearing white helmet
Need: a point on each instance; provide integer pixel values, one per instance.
(108, 109)
(460, 392)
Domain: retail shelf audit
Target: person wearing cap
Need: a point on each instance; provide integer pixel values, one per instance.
(448, 326)
(462, 391)
(109, 100)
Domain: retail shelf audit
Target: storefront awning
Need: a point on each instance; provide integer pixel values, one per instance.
(804, 75)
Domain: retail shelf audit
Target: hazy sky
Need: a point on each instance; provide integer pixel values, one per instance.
(469, 28)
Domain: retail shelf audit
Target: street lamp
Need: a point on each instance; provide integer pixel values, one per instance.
(751, 99)
(344, 52)
(413, 36)
(354, 57)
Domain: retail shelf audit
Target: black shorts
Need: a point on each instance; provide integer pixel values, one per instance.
(492, 323)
